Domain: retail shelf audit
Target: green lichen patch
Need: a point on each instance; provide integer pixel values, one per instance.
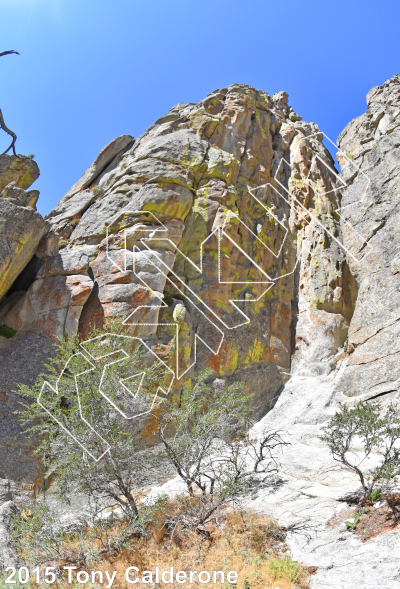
(6, 331)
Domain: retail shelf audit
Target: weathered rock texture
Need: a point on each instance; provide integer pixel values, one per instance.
(306, 264)
(21, 170)
(193, 172)
(371, 204)
(225, 203)
(8, 554)
(21, 227)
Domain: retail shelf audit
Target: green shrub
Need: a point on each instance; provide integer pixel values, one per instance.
(379, 433)
(375, 495)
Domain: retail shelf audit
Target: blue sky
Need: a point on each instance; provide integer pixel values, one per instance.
(91, 70)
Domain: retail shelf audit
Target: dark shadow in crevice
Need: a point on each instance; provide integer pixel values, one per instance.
(92, 313)
(382, 394)
(27, 276)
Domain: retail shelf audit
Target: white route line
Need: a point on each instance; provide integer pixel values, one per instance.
(121, 381)
(56, 391)
(219, 233)
(308, 212)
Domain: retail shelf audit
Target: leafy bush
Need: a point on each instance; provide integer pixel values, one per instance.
(364, 425)
(86, 445)
(375, 495)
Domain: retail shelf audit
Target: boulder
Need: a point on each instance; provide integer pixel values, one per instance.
(21, 229)
(19, 169)
(19, 196)
(52, 305)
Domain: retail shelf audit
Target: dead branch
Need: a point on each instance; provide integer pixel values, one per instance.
(2, 123)
(7, 130)
(8, 52)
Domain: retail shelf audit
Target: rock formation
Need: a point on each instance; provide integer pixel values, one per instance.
(221, 193)
(371, 205)
(225, 204)
(309, 487)
(224, 237)
(21, 226)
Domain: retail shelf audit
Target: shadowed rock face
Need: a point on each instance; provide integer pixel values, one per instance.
(372, 142)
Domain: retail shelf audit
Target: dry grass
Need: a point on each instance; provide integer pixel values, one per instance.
(255, 550)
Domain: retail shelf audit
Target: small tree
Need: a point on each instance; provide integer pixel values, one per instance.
(365, 425)
(205, 436)
(79, 411)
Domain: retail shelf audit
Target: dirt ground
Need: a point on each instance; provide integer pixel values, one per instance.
(374, 520)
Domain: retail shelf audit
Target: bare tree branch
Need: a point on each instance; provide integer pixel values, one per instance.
(8, 52)
(2, 123)
(7, 130)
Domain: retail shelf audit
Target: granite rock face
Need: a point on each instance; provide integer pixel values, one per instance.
(207, 236)
(371, 204)
(21, 362)
(224, 237)
(216, 237)
(212, 198)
